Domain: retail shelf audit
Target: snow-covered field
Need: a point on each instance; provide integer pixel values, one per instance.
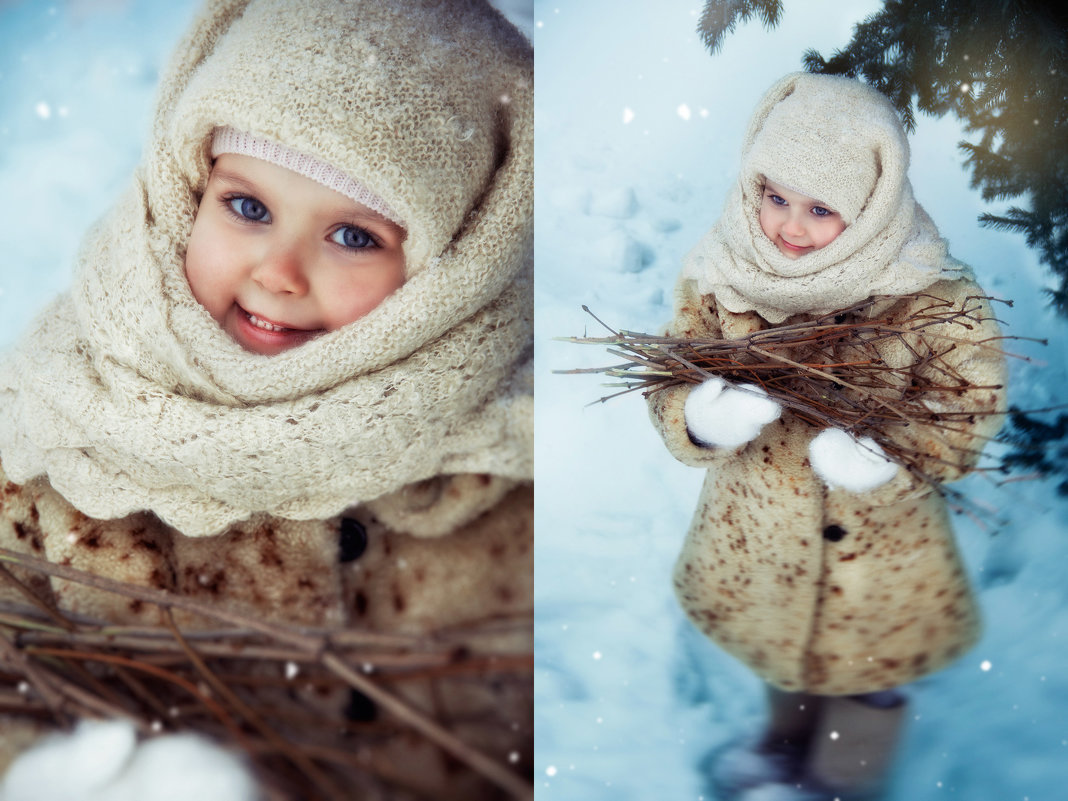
(638, 135)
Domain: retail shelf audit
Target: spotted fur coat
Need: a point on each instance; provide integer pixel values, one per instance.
(827, 591)
(472, 560)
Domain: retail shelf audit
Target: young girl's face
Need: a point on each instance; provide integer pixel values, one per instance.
(277, 258)
(796, 223)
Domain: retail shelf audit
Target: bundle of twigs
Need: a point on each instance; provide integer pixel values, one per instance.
(829, 371)
(62, 667)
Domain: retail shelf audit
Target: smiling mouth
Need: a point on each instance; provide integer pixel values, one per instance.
(266, 325)
(795, 248)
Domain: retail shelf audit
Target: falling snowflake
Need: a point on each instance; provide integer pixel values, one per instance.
(683, 111)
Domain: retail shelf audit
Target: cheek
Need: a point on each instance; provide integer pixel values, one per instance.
(767, 221)
(207, 279)
(828, 231)
(359, 292)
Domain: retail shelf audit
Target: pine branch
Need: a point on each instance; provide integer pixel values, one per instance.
(721, 17)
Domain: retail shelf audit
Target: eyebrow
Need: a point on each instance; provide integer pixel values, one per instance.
(346, 208)
(813, 204)
(237, 180)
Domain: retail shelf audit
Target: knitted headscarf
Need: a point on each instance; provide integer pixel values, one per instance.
(840, 142)
(127, 395)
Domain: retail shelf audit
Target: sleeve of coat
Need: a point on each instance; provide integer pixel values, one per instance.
(695, 316)
(967, 355)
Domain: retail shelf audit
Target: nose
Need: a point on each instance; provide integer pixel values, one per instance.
(281, 271)
(793, 226)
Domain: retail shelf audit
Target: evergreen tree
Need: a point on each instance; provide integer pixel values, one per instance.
(999, 65)
(1038, 447)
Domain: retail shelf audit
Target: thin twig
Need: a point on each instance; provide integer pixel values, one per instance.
(158, 675)
(293, 754)
(830, 372)
(492, 770)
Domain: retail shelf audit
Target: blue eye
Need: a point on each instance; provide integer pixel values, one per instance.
(249, 208)
(819, 211)
(778, 201)
(351, 237)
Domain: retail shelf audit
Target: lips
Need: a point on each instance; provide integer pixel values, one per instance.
(265, 324)
(259, 322)
(793, 248)
(261, 335)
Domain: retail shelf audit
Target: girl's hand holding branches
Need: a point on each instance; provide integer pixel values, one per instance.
(721, 415)
(843, 461)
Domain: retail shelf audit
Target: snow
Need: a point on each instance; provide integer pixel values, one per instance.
(725, 416)
(613, 506)
(856, 465)
(103, 761)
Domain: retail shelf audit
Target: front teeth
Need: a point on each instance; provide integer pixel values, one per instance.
(266, 326)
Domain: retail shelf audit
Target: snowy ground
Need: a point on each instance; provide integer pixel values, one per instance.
(638, 134)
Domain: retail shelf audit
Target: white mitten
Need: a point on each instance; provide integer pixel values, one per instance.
(102, 761)
(844, 461)
(719, 415)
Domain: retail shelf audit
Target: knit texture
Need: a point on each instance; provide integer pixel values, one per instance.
(839, 141)
(128, 396)
(230, 140)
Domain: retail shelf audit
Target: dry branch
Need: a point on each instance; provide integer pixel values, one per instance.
(830, 372)
(64, 666)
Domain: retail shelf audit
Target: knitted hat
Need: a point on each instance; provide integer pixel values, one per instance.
(230, 140)
(410, 110)
(830, 138)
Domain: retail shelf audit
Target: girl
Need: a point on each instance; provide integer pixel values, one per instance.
(292, 377)
(823, 566)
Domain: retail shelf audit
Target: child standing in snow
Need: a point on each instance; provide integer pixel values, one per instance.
(823, 566)
(293, 375)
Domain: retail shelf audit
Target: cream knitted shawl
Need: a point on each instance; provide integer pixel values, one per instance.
(841, 142)
(128, 396)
